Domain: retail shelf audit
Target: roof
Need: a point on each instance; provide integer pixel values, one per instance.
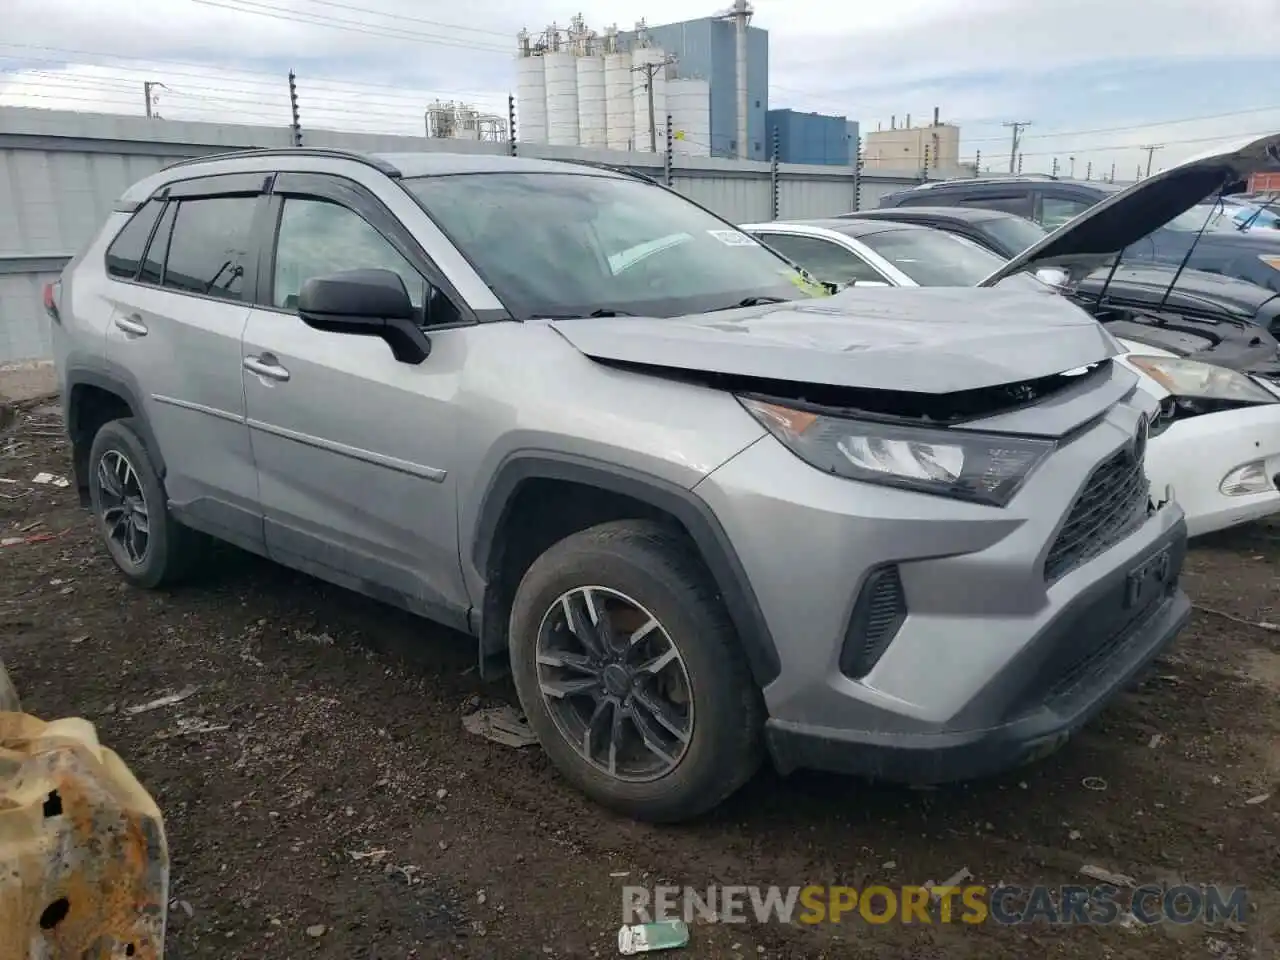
(850, 227)
(966, 214)
(400, 165)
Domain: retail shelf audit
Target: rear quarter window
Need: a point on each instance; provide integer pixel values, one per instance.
(124, 255)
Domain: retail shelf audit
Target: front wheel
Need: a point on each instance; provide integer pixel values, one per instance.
(630, 673)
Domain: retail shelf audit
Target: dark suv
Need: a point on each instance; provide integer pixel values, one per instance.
(1245, 254)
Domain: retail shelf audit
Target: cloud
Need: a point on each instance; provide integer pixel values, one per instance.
(1098, 78)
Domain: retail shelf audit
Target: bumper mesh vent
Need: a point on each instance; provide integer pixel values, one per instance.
(877, 615)
(1114, 501)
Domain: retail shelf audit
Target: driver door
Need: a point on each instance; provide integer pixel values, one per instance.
(353, 449)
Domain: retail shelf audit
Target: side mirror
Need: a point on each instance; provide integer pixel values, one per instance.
(365, 303)
(1053, 277)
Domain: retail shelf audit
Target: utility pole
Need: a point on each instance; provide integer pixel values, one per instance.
(151, 98)
(1088, 170)
(1113, 173)
(1072, 161)
(650, 70)
(1017, 126)
(293, 108)
(1151, 149)
(1055, 167)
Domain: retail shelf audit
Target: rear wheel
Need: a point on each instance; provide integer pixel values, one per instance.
(129, 506)
(628, 668)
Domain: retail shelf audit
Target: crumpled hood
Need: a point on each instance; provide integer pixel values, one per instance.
(1106, 228)
(929, 340)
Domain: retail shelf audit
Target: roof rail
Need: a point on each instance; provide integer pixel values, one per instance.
(614, 168)
(1011, 178)
(377, 163)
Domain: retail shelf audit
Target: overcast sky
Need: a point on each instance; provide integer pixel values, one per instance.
(1098, 78)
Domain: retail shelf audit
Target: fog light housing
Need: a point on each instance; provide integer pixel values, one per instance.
(1246, 480)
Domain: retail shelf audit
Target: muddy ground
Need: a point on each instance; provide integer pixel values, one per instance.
(320, 774)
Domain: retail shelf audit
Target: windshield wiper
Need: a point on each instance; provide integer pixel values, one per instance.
(752, 302)
(594, 314)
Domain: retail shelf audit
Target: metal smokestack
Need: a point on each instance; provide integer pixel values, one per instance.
(741, 15)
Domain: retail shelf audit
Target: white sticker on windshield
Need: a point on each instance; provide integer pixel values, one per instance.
(734, 238)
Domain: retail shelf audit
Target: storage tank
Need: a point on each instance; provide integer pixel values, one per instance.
(640, 99)
(689, 103)
(562, 98)
(531, 100)
(619, 112)
(592, 103)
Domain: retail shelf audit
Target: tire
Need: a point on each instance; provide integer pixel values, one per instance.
(658, 570)
(171, 549)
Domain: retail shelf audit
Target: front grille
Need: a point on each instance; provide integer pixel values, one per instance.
(878, 613)
(1114, 501)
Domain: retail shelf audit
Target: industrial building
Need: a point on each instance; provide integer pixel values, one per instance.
(614, 90)
(576, 87)
(461, 121)
(707, 49)
(934, 146)
(811, 138)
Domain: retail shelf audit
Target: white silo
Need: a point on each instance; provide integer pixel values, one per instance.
(562, 98)
(651, 63)
(592, 103)
(531, 99)
(689, 103)
(619, 86)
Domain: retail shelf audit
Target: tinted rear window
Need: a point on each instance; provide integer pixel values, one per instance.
(125, 252)
(210, 246)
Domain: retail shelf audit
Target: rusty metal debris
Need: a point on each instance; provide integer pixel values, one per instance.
(84, 864)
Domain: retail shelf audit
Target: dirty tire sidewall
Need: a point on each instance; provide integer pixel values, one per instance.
(658, 568)
(165, 560)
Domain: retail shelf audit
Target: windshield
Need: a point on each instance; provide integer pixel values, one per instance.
(574, 244)
(1013, 234)
(1193, 220)
(935, 259)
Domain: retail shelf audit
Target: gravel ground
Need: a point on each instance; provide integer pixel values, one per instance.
(320, 776)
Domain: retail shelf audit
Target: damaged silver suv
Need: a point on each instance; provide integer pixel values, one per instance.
(705, 511)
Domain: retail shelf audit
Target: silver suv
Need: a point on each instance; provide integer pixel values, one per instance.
(705, 510)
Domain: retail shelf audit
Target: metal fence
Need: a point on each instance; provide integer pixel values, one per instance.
(60, 172)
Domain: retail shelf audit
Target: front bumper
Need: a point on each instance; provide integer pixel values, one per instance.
(1129, 643)
(1194, 455)
(990, 661)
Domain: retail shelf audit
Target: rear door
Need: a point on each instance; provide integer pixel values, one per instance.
(176, 327)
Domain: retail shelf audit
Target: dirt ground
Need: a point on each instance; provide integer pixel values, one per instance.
(320, 774)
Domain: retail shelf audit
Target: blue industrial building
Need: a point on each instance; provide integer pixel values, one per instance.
(706, 49)
(811, 138)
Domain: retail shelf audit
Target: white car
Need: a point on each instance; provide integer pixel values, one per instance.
(1216, 446)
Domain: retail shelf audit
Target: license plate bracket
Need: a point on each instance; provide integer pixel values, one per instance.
(1147, 579)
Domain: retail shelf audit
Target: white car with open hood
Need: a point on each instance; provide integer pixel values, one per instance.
(1216, 445)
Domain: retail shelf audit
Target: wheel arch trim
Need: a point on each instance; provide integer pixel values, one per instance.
(693, 513)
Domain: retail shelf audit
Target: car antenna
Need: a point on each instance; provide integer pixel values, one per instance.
(1186, 257)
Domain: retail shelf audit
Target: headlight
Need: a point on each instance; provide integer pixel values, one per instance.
(966, 466)
(1203, 381)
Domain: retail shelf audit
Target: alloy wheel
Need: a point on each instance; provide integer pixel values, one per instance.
(123, 507)
(615, 684)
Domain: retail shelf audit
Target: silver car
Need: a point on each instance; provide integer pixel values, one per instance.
(704, 510)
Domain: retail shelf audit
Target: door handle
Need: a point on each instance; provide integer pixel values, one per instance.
(132, 325)
(264, 368)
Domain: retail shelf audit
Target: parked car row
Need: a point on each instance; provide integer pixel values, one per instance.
(704, 509)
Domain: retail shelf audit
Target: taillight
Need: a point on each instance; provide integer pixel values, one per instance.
(51, 292)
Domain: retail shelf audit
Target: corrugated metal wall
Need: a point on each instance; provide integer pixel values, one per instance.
(61, 172)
